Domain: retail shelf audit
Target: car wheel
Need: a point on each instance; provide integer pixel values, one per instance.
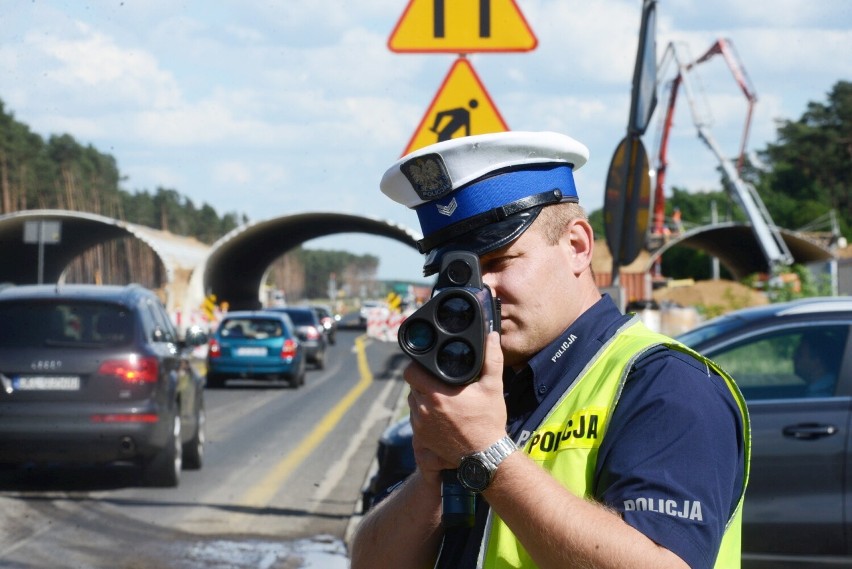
(164, 469)
(319, 361)
(298, 379)
(193, 451)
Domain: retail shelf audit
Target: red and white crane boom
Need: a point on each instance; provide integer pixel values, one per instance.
(769, 238)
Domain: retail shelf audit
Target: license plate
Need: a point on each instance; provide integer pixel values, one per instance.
(251, 351)
(47, 383)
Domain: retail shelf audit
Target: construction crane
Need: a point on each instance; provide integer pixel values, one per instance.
(769, 238)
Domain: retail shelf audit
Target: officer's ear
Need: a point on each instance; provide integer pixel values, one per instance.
(579, 238)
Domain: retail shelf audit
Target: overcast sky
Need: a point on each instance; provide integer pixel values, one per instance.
(269, 108)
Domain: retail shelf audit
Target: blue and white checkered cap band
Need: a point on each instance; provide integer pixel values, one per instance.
(494, 192)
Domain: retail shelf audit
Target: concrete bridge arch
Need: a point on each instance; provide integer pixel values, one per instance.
(738, 250)
(248, 251)
(234, 268)
(79, 232)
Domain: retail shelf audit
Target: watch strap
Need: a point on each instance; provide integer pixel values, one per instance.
(496, 453)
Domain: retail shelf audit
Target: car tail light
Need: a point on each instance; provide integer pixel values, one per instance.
(125, 418)
(313, 333)
(132, 370)
(288, 350)
(213, 349)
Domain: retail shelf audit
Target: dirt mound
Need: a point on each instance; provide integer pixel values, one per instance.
(712, 297)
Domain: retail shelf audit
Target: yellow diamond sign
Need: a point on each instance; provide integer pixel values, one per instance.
(462, 107)
(462, 26)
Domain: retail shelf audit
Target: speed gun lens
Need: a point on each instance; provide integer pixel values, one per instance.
(459, 272)
(456, 359)
(419, 336)
(455, 314)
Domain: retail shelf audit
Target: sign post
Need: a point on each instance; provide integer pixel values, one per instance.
(208, 306)
(627, 201)
(42, 232)
(628, 185)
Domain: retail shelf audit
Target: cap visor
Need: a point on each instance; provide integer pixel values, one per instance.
(484, 239)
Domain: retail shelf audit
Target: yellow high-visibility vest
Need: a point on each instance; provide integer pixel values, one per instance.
(567, 442)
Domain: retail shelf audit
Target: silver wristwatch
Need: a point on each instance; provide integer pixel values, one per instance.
(476, 470)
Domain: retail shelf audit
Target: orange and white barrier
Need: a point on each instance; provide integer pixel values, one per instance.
(383, 324)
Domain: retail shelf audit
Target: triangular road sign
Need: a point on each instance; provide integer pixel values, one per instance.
(462, 26)
(460, 108)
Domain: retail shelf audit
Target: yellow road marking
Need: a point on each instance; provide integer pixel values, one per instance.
(262, 493)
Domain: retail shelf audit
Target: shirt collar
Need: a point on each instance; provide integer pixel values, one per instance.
(563, 359)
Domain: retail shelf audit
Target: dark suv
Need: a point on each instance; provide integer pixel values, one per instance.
(310, 331)
(793, 363)
(96, 374)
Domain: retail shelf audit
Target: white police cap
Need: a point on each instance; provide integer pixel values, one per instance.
(482, 192)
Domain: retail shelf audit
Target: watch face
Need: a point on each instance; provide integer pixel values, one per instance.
(474, 475)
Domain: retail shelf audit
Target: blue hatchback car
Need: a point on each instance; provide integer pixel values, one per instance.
(255, 345)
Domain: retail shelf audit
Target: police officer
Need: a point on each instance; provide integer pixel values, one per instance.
(595, 441)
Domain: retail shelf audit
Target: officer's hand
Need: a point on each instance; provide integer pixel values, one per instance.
(449, 421)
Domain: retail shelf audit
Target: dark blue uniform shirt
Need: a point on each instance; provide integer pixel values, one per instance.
(671, 459)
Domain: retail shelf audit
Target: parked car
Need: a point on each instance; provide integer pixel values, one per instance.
(95, 375)
(255, 345)
(793, 363)
(394, 461)
(329, 321)
(799, 498)
(309, 330)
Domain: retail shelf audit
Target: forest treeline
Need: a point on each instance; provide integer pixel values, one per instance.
(61, 173)
(804, 176)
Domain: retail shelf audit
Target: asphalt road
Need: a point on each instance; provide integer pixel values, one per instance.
(280, 484)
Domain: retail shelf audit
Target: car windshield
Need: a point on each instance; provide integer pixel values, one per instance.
(64, 324)
(302, 317)
(256, 328)
(712, 329)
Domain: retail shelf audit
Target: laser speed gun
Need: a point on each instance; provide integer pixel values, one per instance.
(447, 334)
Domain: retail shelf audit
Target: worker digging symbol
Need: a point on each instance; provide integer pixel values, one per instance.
(459, 118)
(450, 114)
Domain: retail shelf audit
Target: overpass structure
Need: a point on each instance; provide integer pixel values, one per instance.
(740, 250)
(77, 232)
(237, 264)
(235, 267)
